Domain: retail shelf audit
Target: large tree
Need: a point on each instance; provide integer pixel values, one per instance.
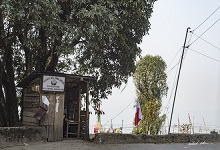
(150, 82)
(98, 38)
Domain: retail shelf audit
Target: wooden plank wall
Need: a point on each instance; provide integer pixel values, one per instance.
(31, 103)
(48, 119)
(59, 117)
(53, 119)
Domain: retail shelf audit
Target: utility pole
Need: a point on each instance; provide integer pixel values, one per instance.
(193, 125)
(181, 61)
(190, 124)
(178, 124)
(122, 124)
(205, 125)
(112, 127)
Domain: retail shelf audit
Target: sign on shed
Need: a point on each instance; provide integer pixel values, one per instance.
(53, 83)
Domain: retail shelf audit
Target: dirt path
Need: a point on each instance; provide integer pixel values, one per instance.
(62, 145)
(81, 145)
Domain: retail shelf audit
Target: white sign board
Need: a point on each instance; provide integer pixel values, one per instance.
(53, 83)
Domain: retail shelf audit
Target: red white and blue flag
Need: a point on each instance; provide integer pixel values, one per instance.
(138, 114)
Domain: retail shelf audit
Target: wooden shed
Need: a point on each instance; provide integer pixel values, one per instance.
(59, 102)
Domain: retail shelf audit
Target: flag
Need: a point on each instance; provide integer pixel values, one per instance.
(138, 114)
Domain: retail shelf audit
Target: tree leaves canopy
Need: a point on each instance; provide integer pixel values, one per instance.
(150, 78)
(150, 82)
(97, 38)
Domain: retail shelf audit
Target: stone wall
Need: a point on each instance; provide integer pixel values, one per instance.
(180, 138)
(10, 136)
(116, 138)
(25, 135)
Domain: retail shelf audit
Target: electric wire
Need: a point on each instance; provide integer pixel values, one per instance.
(124, 87)
(207, 41)
(206, 19)
(174, 84)
(204, 32)
(121, 111)
(204, 55)
(177, 54)
(174, 57)
(187, 43)
(129, 116)
(128, 104)
(173, 67)
(185, 54)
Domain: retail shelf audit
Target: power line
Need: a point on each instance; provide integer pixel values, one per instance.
(177, 54)
(204, 32)
(176, 72)
(174, 84)
(173, 67)
(120, 111)
(176, 64)
(206, 41)
(123, 110)
(206, 19)
(174, 57)
(124, 87)
(184, 57)
(204, 55)
(129, 116)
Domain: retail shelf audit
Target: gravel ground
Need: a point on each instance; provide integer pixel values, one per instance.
(81, 145)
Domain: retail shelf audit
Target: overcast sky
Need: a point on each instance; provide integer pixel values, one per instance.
(199, 85)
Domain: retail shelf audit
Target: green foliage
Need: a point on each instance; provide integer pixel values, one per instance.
(97, 38)
(150, 81)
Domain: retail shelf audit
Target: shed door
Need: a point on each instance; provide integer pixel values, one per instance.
(53, 120)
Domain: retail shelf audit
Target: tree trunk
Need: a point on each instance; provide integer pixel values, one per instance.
(42, 53)
(10, 90)
(3, 121)
(28, 61)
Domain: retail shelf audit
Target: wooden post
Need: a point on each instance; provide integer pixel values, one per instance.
(193, 125)
(79, 121)
(59, 116)
(122, 124)
(87, 111)
(56, 121)
(51, 118)
(178, 125)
